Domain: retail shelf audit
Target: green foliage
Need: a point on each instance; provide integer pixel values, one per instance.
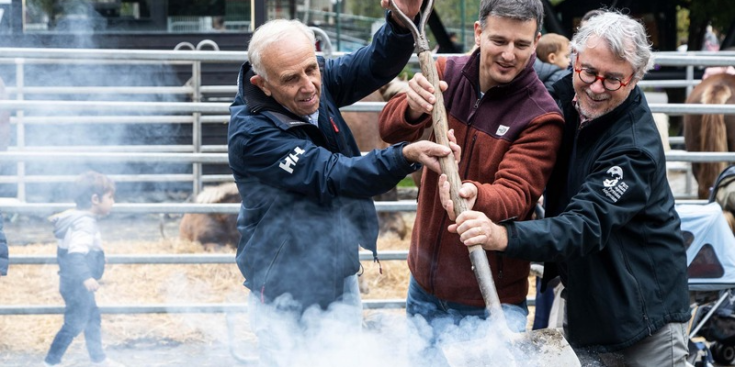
(448, 10)
(682, 24)
(720, 13)
(407, 182)
(364, 8)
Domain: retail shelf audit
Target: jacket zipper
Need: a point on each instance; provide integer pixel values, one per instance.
(268, 272)
(644, 309)
(469, 156)
(435, 255)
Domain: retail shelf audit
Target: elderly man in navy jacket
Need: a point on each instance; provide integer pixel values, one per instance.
(306, 189)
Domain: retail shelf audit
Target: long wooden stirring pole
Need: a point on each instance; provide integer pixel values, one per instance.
(478, 257)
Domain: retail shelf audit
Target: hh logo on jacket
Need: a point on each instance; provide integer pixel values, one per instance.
(614, 187)
(290, 161)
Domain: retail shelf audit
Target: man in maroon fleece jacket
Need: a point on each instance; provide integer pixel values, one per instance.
(509, 129)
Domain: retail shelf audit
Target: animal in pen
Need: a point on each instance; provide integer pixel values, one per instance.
(710, 132)
(212, 229)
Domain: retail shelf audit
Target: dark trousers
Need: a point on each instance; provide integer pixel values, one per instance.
(81, 314)
(544, 301)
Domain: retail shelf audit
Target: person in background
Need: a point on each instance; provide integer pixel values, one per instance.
(306, 189)
(552, 59)
(711, 42)
(509, 129)
(81, 265)
(554, 49)
(611, 226)
(3, 250)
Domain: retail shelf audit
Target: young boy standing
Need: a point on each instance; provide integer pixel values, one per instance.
(81, 264)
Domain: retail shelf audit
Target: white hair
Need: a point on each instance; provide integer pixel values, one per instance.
(273, 32)
(625, 36)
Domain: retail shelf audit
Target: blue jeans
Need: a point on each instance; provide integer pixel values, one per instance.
(81, 314)
(441, 315)
(435, 310)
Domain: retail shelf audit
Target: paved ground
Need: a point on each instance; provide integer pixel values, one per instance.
(152, 356)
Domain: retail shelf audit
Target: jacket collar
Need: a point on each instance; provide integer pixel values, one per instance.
(254, 97)
(519, 83)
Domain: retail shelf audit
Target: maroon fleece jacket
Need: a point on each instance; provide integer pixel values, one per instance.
(509, 139)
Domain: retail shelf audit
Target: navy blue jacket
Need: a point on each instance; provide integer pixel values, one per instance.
(3, 250)
(613, 227)
(548, 73)
(306, 190)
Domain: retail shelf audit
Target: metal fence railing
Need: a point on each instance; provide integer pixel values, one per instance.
(27, 112)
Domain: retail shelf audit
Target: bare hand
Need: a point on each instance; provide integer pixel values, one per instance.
(428, 153)
(408, 7)
(468, 192)
(420, 96)
(475, 228)
(91, 285)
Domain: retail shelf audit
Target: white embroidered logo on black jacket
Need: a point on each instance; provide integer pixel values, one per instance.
(614, 187)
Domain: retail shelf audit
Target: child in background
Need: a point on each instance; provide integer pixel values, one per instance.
(552, 59)
(81, 264)
(554, 49)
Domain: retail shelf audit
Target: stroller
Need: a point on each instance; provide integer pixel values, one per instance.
(711, 271)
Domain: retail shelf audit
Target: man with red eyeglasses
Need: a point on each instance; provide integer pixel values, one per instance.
(611, 227)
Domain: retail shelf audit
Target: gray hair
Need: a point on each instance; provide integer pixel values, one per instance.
(270, 33)
(523, 10)
(625, 36)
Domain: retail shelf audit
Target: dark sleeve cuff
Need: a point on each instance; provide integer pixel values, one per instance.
(512, 248)
(408, 166)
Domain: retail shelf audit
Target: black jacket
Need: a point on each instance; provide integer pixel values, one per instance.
(306, 190)
(613, 228)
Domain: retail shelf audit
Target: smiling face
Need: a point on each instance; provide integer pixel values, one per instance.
(506, 45)
(293, 76)
(593, 99)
